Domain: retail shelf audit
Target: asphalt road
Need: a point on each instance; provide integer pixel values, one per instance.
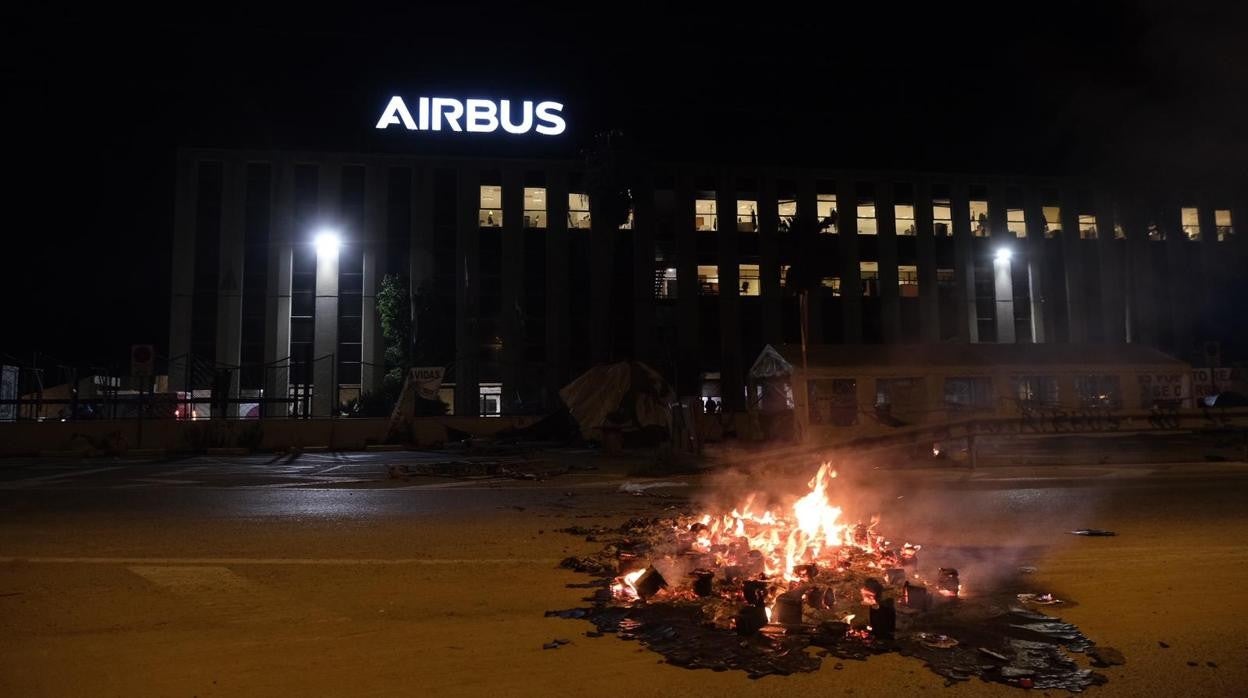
(336, 574)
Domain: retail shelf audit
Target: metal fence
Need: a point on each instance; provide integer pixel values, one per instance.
(184, 387)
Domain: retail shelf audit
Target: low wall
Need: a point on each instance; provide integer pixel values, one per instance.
(113, 437)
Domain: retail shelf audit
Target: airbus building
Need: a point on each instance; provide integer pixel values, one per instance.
(520, 279)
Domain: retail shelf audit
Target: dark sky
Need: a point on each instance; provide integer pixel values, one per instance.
(97, 103)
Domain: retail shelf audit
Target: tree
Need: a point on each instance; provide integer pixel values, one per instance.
(394, 308)
(611, 177)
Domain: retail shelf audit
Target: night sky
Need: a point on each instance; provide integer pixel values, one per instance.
(97, 104)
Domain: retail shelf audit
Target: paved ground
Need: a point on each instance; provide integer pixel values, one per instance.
(324, 576)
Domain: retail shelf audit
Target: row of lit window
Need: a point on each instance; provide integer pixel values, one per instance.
(749, 283)
(706, 216)
(490, 212)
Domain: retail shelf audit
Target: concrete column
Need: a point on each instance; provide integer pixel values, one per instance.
(325, 336)
(1179, 294)
(1002, 269)
(467, 293)
(731, 372)
(557, 308)
(851, 275)
(925, 246)
(643, 273)
(1113, 306)
(1033, 249)
(373, 241)
(688, 380)
(807, 210)
(183, 272)
(230, 276)
(770, 292)
(1072, 264)
(511, 286)
(601, 243)
(963, 264)
(1142, 311)
(277, 294)
(420, 261)
(890, 293)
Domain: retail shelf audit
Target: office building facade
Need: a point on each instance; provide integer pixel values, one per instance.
(519, 286)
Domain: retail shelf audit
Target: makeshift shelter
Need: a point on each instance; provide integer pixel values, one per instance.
(627, 397)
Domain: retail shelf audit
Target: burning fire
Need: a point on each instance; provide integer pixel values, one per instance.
(777, 543)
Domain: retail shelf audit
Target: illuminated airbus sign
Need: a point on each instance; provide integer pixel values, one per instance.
(474, 116)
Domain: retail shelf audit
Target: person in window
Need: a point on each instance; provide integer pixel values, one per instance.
(489, 219)
(745, 288)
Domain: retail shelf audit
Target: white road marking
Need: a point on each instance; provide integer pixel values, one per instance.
(219, 561)
(190, 578)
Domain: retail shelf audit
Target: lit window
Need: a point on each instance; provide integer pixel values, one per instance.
(784, 275)
(908, 280)
(870, 274)
(903, 214)
(866, 219)
(1052, 220)
(578, 211)
(786, 209)
(535, 207)
(1222, 221)
(1016, 221)
(833, 283)
(748, 276)
(1099, 391)
(490, 214)
(942, 218)
(491, 395)
(1155, 233)
(1036, 391)
(704, 217)
(708, 279)
(665, 282)
(1191, 223)
(747, 216)
(1120, 233)
(1087, 227)
(825, 211)
(628, 221)
(979, 218)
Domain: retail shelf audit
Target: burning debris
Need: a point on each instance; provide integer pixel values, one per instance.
(751, 589)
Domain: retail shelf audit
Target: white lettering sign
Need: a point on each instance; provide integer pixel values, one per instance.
(427, 380)
(474, 116)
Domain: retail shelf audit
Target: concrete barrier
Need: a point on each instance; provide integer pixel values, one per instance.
(120, 437)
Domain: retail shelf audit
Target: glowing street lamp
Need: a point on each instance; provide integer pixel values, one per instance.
(1004, 254)
(327, 243)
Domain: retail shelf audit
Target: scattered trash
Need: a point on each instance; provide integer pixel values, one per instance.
(639, 488)
(936, 641)
(1093, 532)
(555, 644)
(1027, 569)
(994, 655)
(1038, 599)
(1211, 665)
(1193, 663)
(1163, 645)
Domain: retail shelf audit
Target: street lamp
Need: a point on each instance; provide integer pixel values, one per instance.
(327, 243)
(1004, 254)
